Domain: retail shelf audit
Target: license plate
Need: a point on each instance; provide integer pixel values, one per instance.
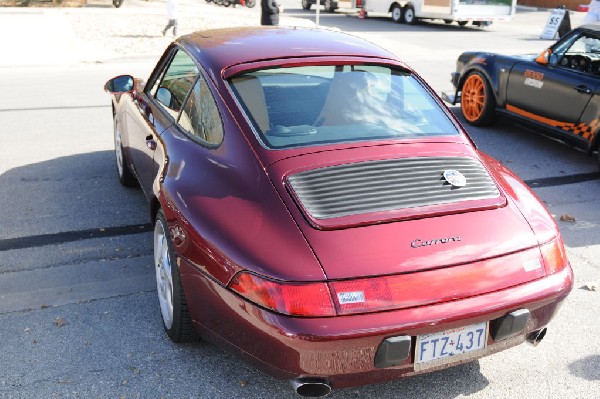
(450, 346)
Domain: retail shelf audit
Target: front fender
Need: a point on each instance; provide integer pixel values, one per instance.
(495, 68)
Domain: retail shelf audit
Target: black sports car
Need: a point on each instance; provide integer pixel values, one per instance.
(556, 92)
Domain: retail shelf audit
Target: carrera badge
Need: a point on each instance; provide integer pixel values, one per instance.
(455, 178)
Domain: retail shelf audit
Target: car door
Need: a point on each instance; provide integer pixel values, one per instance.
(158, 108)
(554, 94)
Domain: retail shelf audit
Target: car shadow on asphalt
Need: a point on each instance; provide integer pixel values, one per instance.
(241, 380)
(587, 368)
(458, 381)
(65, 194)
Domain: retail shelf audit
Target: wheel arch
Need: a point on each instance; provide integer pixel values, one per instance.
(496, 68)
(395, 3)
(492, 82)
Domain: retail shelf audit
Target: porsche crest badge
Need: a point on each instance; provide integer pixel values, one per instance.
(455, 178)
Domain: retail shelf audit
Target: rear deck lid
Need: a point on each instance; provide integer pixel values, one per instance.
(399, 209)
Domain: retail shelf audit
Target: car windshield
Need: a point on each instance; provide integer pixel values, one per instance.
(310, 105)
(579, 44)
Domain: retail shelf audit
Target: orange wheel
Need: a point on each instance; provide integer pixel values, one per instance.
(477, 103)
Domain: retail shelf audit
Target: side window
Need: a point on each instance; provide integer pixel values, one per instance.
(175, 83)
(200, 116)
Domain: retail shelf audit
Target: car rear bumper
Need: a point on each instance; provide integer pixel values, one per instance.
(342, 350)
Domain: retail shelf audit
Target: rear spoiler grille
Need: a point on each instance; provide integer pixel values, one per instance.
(387, 185)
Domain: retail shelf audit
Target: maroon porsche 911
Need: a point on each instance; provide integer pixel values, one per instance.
(319, 211)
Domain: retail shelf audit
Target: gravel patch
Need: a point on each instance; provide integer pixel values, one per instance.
(127, 34)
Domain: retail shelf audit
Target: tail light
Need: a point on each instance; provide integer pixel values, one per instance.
(554, 255)
(295, 299)
(373, 294)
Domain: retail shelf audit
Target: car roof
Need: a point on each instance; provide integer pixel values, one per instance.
(218, 49)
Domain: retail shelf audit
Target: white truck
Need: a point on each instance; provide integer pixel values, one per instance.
(478, 12)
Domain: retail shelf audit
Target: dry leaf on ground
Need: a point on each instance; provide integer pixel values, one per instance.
(59, 322)
(591, 286)
(567, 218)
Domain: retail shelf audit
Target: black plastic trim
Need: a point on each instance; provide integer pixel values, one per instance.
(510, 325)
(393, 351)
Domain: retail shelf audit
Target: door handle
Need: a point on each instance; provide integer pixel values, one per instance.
(150, 142)
(583, 89)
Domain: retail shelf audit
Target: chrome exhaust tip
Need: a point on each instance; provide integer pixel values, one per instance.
(311, 387)
(535, 337)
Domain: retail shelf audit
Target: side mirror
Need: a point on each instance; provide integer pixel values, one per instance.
(119, 84)
(165, 96)
(544, 57)
(169, 99)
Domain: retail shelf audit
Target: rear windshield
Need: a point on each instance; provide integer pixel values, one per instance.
(312, 105)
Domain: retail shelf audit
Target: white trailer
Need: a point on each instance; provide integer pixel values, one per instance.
(478, 12)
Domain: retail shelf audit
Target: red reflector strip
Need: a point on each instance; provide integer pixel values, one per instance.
(440, 285)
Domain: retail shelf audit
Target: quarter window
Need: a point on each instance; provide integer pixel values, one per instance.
(175, 83)
(200, 115)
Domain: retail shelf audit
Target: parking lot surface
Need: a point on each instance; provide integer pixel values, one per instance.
(78, 310)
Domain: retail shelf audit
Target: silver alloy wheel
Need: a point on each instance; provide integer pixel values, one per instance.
(118, 149)
(409, 14)
(164, 276)
(396, 14)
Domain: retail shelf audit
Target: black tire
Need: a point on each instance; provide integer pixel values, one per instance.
(477, 100)
(447, 21)
(462, 23)
(306, 4)
(177, 324)
(330, 5)
(408, 15)
(126, 178)
(250, 3)
(117, 3)
(482, 24)
(397, 14)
